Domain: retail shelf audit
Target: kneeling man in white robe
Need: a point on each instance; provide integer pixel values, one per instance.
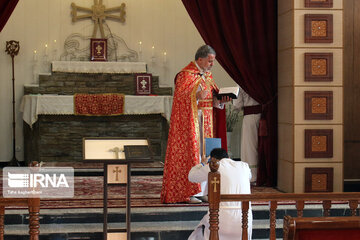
(235, 179)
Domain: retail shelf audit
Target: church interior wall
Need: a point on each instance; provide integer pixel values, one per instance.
(285, 30)
(160, 23)
(291, 95)
(351, 90)
(285, 173)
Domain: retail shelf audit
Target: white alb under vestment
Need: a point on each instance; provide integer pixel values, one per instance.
(235, 179)
(249, 132)
(216, 104)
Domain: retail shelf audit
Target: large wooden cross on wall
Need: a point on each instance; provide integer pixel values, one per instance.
(98, 13)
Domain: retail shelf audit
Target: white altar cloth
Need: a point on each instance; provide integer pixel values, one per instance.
(33, 105)
(98, 67)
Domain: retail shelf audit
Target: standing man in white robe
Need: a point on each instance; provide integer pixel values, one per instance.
(249, 131)
(235, 179)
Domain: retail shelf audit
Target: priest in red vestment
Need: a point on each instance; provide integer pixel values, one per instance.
(191, 122)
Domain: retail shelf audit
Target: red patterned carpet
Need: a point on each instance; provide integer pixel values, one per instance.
(88, 192)
(145, 192)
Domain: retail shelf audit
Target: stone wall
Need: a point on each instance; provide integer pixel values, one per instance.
(70, 83)
(59, 138)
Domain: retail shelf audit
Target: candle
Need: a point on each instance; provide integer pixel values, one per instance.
(46, 49)
(164, 57)
(35, 56)
(153, 51)
(54, 51)
(140, 49)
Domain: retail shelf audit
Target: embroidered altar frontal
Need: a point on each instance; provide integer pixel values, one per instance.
(108, 104)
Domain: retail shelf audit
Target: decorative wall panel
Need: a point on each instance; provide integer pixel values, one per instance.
(318, 67)
(319, 179)
(318, 105)
(318, 143)
(318, 28)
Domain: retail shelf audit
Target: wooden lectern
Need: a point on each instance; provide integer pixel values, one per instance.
(117, 154)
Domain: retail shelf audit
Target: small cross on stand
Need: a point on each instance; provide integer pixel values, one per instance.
(116, 150)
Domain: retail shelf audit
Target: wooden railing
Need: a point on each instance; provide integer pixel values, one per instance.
(33, 205)
(215, 198)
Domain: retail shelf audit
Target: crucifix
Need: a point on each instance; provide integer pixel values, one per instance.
(116, 150)
(98, 13)
(117, 171)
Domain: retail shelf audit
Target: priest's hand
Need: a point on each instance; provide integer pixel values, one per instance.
(202, 94)
(225, 99)
(205, 160)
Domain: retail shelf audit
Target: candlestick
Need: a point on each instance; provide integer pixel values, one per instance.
(153, 51)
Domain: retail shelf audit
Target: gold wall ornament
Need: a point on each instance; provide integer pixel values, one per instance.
(98, 13)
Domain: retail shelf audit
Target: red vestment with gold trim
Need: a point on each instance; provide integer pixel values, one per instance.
(183, 147)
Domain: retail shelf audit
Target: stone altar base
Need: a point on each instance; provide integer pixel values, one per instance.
(59, 138)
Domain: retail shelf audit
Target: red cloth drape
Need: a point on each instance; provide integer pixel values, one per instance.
(244, 36)
(6, 9)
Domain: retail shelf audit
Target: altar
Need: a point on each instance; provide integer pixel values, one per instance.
(50, 104)
(52, 133)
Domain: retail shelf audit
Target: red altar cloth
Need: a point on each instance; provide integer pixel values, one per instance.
(106, 104)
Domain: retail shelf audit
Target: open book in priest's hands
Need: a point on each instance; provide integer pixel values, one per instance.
(232, 92)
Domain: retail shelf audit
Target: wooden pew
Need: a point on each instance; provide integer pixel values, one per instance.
(214, 186)
(321, 228)
(33, 205)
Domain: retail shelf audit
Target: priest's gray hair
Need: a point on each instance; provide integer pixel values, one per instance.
(204, 51)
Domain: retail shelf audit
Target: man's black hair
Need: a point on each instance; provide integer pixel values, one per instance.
(219, 153)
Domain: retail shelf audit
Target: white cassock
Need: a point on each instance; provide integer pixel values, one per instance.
(249, 132)
(235, 179)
